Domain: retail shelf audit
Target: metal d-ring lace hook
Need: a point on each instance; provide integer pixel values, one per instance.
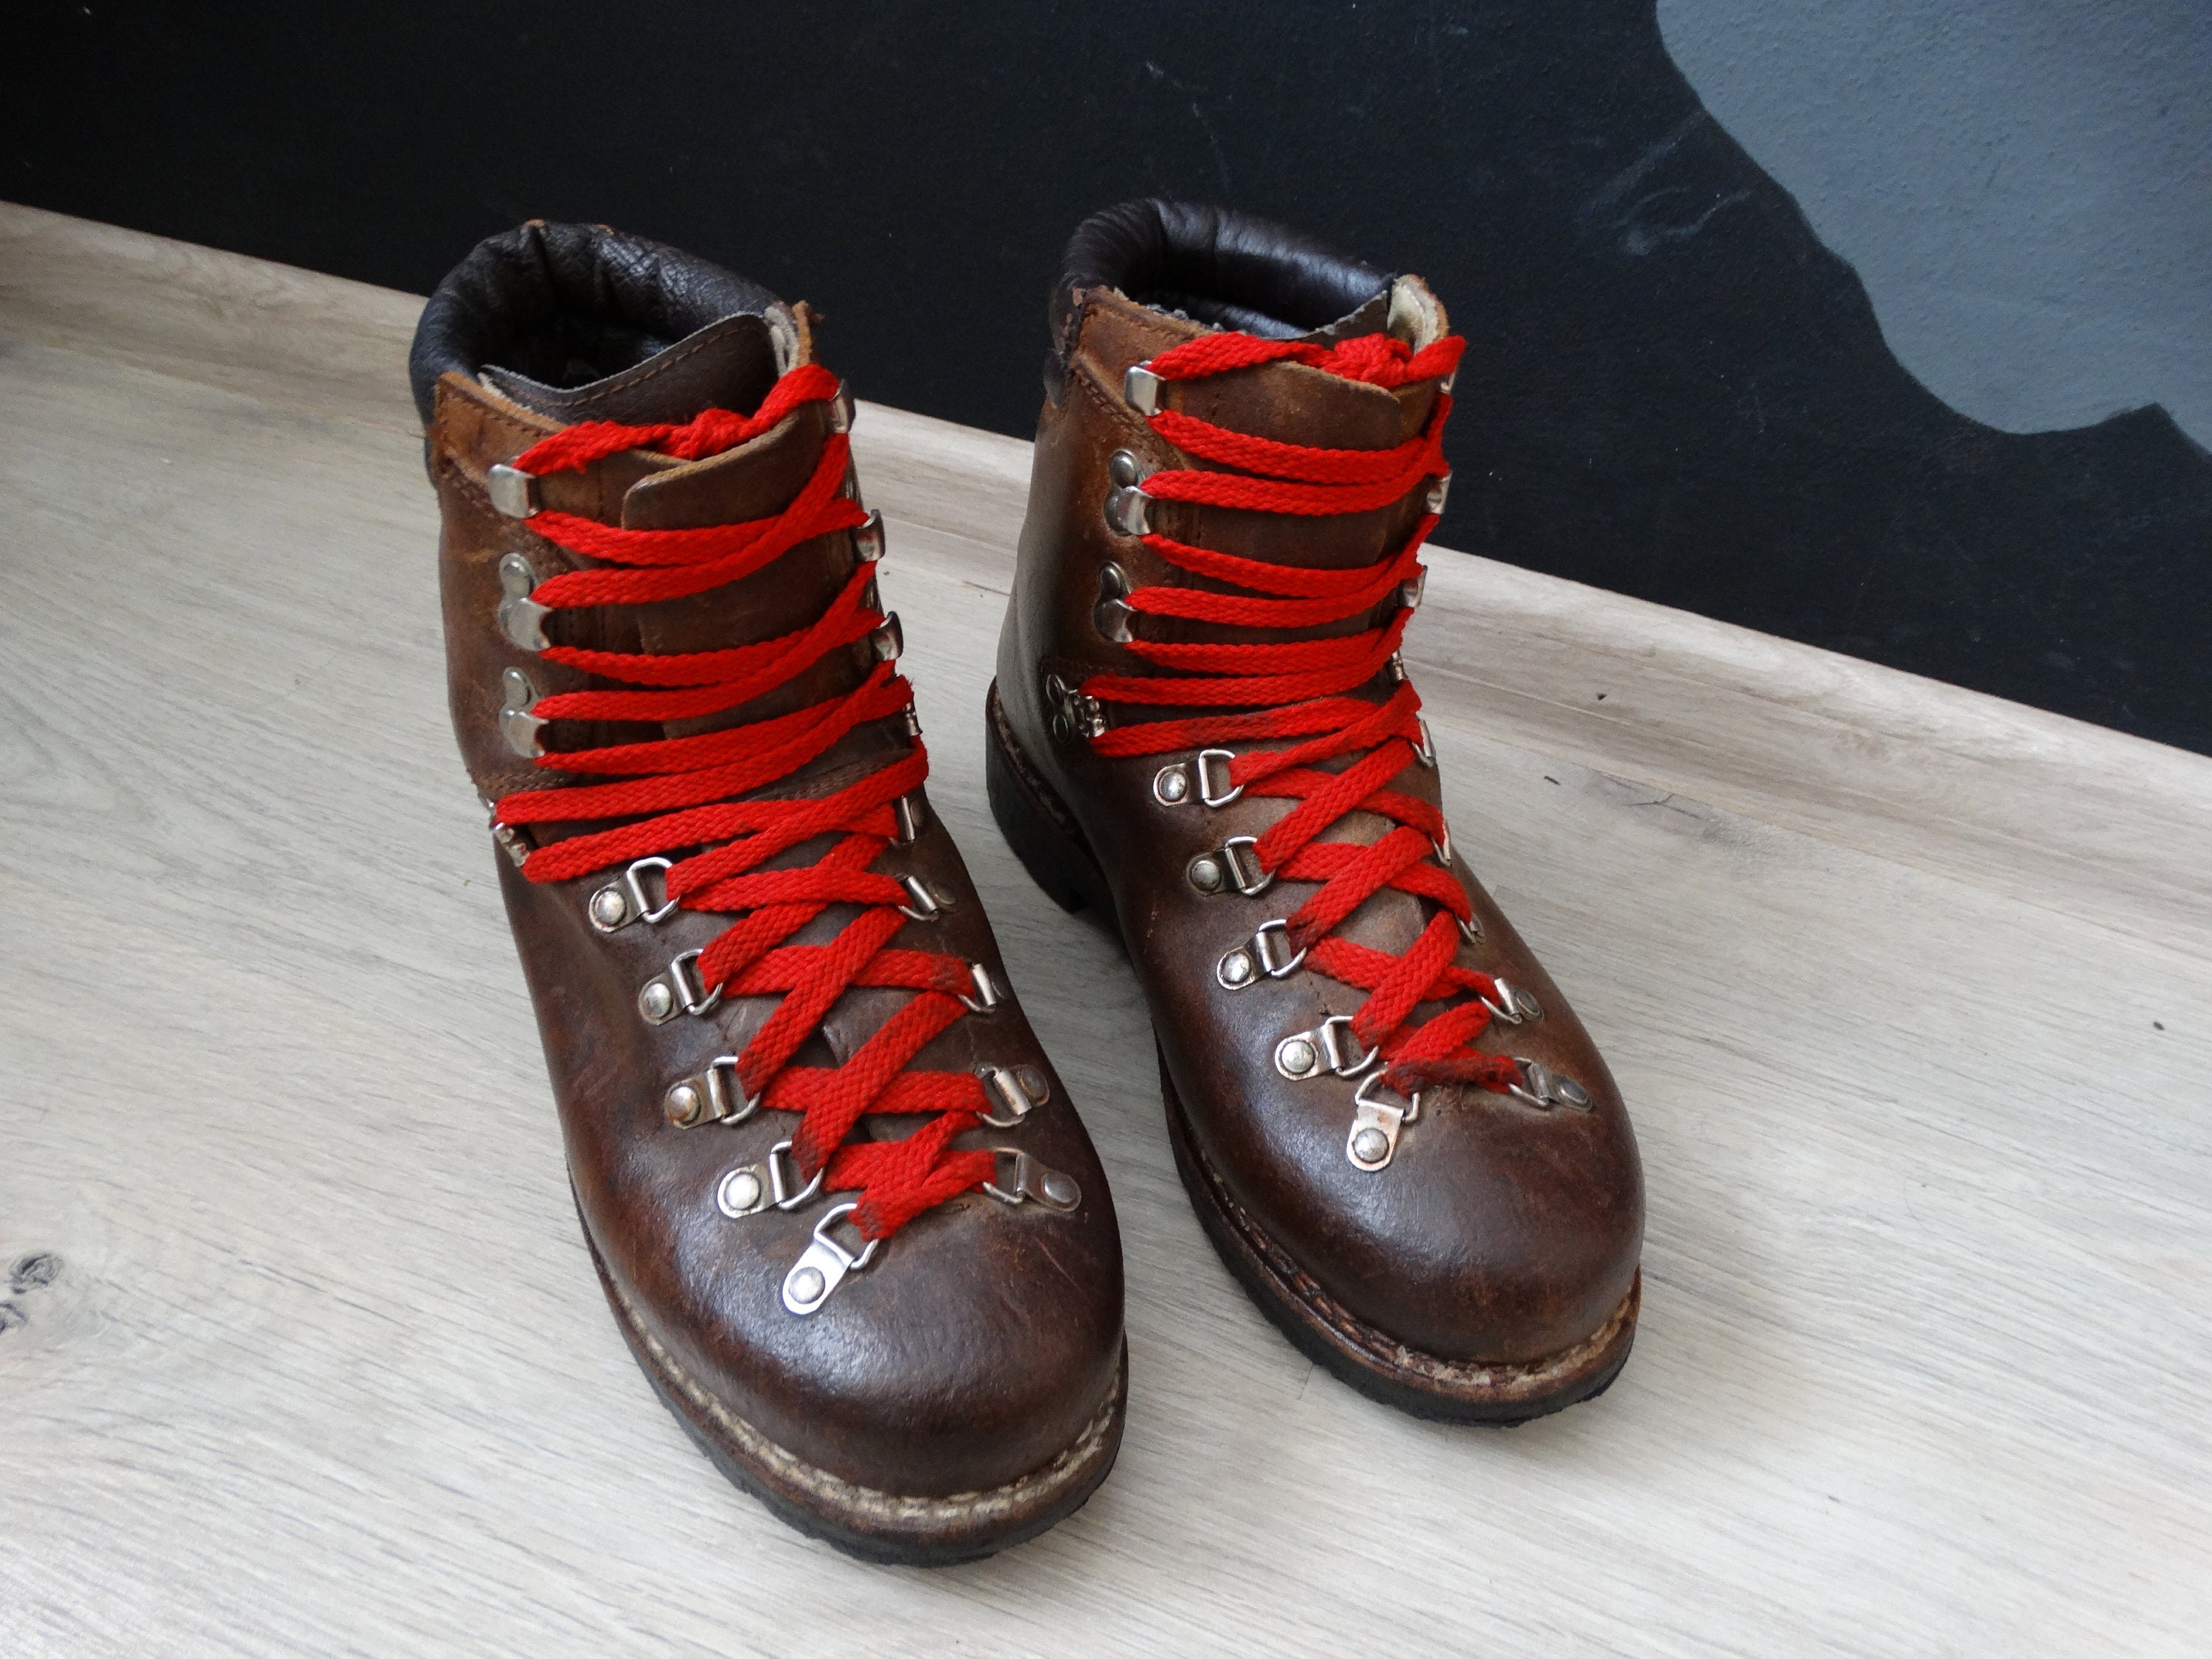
(823, 1266)
(716, 1095)
(750, 1189)
(1373, 1141)
(1020, 1178)
(625, 899)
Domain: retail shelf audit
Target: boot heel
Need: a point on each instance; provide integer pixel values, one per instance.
(1041, 832)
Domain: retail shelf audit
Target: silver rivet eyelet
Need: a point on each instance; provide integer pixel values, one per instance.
(1331, 1045)
(1540, 1085)
(987, 994)
(621, 901)
(1513, 1005)
(1268, 953)
(1140, 390)
(826, 1262)
(1376, 1124)
(868, 539)
(672, 989)
(1172, 786)
(518, 723)
(1205, 873)
(512, 491)
(1019, 1091)
(1111, 615)
(752, 1189)
(512, 841)
(929, 898)
(1020, 1178)
(741, 1192)
(889, 639)
(1073, 715)
(716, 1095)
(1129, 510)
(520, 618)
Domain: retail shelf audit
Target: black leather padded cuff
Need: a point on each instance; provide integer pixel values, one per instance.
(1212, 264)
(568, 304)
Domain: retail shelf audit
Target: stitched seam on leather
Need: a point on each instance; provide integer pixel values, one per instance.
(867, 1501)
(1504, 1376)
(458, 446)
(650, 373)
(1088, 379)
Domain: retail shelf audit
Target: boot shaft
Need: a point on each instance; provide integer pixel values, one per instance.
(552, 325)
(1138, 281)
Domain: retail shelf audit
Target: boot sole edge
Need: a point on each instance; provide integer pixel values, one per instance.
(935, 1531)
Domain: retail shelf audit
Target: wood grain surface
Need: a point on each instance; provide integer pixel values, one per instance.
(1909, 992)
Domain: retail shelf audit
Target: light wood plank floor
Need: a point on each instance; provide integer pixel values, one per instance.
(1909, 990)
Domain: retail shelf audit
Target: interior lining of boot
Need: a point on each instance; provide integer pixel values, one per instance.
(570, 348)
(1218, 311)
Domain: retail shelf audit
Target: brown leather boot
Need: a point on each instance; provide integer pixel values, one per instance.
(1392, 1127)
(846, 1218)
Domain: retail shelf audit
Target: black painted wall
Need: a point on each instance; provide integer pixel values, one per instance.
(1673, 389)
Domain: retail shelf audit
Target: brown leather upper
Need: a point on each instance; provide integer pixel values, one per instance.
(1500, 1232)
(984, 1337)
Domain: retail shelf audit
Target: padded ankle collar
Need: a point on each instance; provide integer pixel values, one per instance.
(566, 304)
(1213, 264)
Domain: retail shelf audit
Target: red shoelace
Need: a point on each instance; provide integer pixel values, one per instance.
(1302, 689)
(680, 792)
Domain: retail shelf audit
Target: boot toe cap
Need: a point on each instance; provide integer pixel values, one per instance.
(1497, 1234)
(982, 1342)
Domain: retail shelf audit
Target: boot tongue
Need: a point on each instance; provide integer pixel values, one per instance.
(1370, 319)
(730, 364)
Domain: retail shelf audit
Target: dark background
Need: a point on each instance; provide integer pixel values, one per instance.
(1673, 388)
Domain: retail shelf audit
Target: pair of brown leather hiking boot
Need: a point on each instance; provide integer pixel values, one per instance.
(845, 1212)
